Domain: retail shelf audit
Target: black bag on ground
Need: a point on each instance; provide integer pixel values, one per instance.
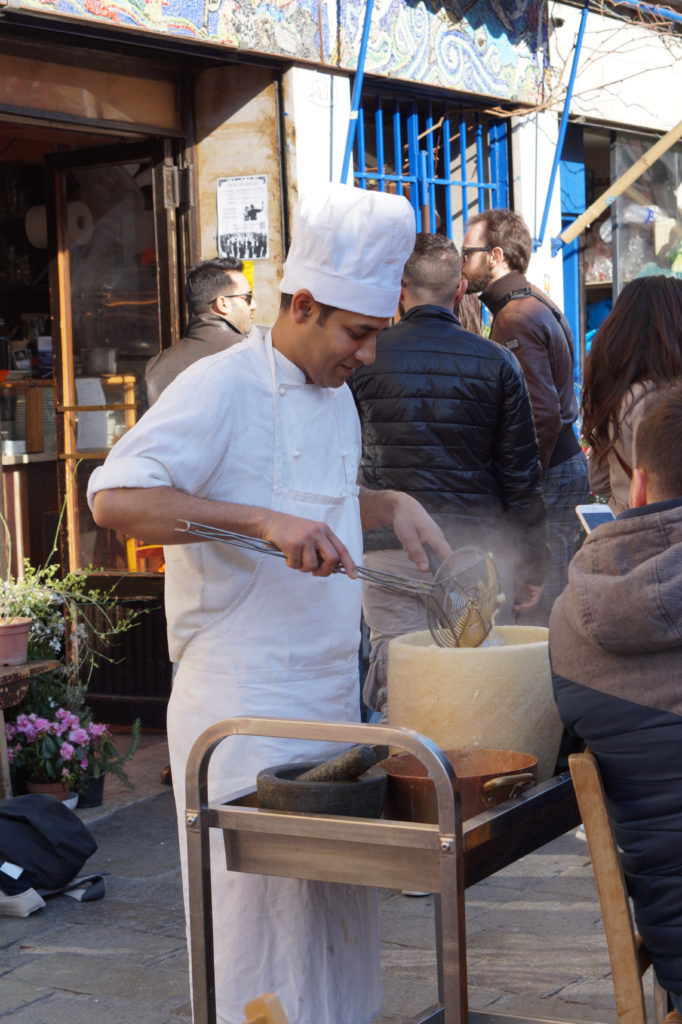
(45, 840)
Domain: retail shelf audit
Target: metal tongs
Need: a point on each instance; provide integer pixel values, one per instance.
(400, 584)
(460, 601)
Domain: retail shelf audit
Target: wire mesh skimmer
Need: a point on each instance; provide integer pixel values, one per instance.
(460, 601)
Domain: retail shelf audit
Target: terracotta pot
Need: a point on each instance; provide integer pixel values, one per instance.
(486, 778)
(57, 789)
(14, 641)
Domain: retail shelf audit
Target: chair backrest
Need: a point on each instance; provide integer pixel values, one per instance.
(627, 953)
(266, 1009)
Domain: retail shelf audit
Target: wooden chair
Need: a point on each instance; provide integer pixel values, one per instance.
(628, 956)
(266, 1009)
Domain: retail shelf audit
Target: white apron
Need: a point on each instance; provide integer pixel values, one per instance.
(287, 647)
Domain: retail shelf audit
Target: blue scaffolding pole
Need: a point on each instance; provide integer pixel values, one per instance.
(537, 242)
(357, 92)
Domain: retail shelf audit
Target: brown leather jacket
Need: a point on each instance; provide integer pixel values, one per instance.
(529, 329)
(206, 334)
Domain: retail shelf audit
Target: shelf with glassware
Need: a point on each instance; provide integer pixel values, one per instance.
(28, 419)
(645, 241)
(29, 477)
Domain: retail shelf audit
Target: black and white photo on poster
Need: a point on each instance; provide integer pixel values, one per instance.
(243, 217)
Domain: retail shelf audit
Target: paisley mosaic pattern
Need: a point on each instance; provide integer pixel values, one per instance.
(497, 48)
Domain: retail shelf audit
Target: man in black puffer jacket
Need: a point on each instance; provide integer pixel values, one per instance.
(446, 417)
(615, 644)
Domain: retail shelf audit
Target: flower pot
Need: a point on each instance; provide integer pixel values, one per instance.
(14, 640)
(57, 789)
(92, 794)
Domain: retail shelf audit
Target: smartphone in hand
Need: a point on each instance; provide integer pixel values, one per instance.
(593, 515)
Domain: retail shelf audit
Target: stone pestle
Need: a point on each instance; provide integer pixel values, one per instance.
(342, 768)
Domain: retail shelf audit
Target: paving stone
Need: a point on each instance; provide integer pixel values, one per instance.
(409, 920)
(80, 1009)
(112, 942)
(14, 997)
(99, 976)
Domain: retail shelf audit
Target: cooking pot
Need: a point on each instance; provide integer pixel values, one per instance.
(486, 778)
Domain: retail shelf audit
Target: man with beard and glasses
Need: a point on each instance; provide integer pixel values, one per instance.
(495, 255)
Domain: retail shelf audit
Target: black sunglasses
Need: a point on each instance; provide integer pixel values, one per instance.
(241, 295)
(474, 248)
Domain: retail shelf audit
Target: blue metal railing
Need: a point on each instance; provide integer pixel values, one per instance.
(445, 160)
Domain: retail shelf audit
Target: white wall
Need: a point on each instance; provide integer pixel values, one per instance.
(627, 74)
(534, 139)
(316, 112)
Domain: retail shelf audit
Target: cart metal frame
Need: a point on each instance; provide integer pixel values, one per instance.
(442, 859)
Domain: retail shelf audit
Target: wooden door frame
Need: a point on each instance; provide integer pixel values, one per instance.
(161, 152)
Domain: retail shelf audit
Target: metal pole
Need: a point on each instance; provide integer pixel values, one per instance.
(357, 92)
(562, 127)
(424, 193)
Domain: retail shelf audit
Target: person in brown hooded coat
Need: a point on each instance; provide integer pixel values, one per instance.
(615, 641)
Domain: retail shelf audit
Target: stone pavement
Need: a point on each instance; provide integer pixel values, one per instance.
(535, 942)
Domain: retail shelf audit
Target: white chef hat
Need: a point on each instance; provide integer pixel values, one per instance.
(349, 247)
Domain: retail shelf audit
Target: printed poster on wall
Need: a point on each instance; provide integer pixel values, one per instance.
(243, 217)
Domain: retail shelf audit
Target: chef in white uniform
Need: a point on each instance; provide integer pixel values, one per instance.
(264, 439)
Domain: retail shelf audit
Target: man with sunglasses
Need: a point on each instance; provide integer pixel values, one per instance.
(221, 306)
(495, 255)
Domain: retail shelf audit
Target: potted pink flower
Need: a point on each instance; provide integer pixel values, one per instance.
(67, 752)
(50, 754)
(102, 757)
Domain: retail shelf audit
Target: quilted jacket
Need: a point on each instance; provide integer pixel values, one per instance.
(446, 417)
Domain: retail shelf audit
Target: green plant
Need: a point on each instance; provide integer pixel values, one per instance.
(76, 625)
(69, 619)
(66, 748)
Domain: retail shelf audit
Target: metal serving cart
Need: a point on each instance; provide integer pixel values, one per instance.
(442, 859)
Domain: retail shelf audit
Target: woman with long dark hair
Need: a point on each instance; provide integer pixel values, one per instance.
(636, 350)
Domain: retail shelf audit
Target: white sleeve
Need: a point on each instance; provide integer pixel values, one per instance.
(180, 441)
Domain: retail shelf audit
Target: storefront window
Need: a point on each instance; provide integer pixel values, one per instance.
(645, 229)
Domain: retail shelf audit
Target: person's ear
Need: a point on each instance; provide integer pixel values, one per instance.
(461, 290)
(302, 306)
(220, 305)
(639, 490)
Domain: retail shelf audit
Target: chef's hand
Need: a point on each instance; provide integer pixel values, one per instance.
(414, 527)
(526, 596)
(309, 546)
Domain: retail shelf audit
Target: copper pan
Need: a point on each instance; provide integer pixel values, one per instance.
(486, 778)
